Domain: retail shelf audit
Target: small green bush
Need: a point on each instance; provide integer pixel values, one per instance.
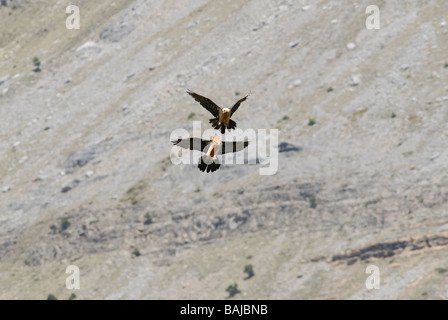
(249, 269)
(53, 229)
(148, 219)
(64, 224)
(441, 270)
(313, 201)
(36, 63)
(233, 290)
(51, 297)
(136, 252)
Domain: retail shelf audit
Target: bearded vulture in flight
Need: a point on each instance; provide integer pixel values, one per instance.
(209, 162)
(222, 116)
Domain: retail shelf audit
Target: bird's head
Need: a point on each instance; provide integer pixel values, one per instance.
(225, 110)
(215, 139)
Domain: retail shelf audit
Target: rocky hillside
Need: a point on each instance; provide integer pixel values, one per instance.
(85, 171)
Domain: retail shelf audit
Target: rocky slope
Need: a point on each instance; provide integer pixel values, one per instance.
(85, 171)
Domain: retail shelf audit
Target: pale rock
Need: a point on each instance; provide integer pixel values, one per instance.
(351, 46)
(355, 80)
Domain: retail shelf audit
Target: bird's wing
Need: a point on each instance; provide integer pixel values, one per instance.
(228, 147)
(192, 144)
(237, 105)
(206, 103)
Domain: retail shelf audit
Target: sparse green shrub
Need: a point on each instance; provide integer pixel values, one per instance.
(72, 296)
(64, 224)
(53, 229)
(285, 118)
(313, 201)
(36, 63)
(233, 290)
(148, 219)
(330, 89)
(441, 270)
(191, 115)
(311, 122)
(136, 252)
(393, 115)
(51, 297)
(249, 269)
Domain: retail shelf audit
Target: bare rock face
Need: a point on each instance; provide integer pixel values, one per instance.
(86, 176)
(390, 249)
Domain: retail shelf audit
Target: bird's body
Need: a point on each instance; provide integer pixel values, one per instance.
(224, 116)
(221, 120)
(212, 148)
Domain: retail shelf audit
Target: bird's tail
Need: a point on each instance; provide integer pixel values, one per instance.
(232, 124)
(208, 164)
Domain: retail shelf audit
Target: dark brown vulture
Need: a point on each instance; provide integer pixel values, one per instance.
(221, 119)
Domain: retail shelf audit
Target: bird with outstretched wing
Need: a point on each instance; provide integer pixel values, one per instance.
(212, 148)
(221, 120)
